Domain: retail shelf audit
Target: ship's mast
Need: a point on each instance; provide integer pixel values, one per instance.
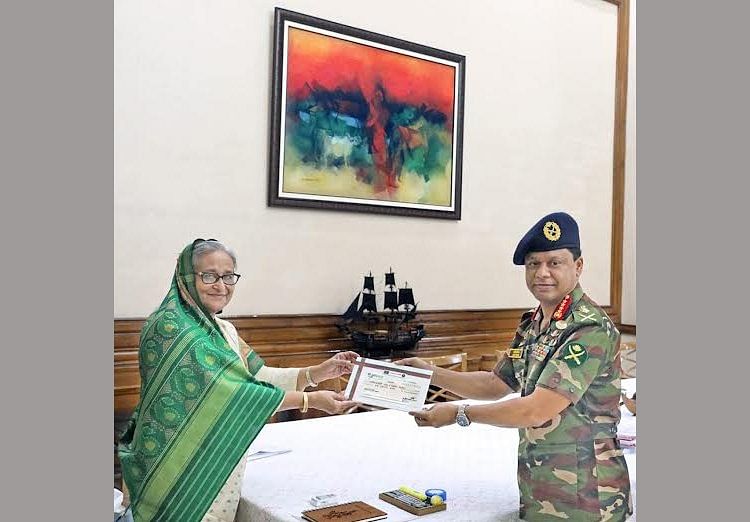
(368, 295)
(391, 303)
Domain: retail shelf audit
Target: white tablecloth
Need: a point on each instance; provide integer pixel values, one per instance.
(360, 455)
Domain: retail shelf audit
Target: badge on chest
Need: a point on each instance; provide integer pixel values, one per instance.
(540, 351)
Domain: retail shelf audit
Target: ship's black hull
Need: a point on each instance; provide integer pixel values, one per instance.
(374, 344)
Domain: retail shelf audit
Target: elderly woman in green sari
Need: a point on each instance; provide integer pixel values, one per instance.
(202, 401)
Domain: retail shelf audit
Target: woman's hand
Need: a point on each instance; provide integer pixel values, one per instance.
(339, 364)
(330, 401)
(415, 362)
(441, 414)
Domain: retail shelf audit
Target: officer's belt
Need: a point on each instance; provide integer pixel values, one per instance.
(589, 432)
(598, 430)
(603, 430)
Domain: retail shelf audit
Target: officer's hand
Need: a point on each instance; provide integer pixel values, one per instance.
(414, 362)
(441, 414)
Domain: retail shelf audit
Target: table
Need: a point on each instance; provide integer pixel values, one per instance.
(359, 455)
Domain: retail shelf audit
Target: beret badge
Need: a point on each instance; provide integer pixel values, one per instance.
(551, 231)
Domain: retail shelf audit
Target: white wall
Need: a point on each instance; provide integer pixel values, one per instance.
(628, 250)
(192, 91)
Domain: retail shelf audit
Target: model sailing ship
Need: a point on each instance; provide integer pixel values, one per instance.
(382, 333)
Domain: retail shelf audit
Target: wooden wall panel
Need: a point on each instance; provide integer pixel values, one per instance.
(304, 340)
(626, 328)
(298, 341)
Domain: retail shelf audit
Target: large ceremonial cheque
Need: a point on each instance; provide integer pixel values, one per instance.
(388, 385)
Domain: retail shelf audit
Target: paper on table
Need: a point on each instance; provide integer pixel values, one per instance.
(262, 454)
(388, 385)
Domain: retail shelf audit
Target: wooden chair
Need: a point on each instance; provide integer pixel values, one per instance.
(456, 362)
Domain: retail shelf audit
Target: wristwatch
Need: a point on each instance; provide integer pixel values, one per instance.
(461, 418)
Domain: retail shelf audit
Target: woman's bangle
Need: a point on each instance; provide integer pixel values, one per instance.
(305, 403)
(310, 382)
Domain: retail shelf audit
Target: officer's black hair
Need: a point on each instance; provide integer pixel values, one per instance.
(575, 251)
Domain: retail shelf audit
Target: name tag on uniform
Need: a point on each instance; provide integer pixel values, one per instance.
(515, 353)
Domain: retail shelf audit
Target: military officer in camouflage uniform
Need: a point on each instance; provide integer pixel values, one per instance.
(564, 360)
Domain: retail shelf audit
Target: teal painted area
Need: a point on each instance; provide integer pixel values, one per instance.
(322, 134)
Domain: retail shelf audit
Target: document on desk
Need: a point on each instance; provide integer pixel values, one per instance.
(262, 454)
(388, 385)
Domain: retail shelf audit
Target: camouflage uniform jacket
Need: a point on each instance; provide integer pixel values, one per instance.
(571, 467)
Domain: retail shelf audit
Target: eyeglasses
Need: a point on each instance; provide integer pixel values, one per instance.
(210, 278)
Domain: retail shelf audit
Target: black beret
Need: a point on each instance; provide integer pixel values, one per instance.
(553, 231)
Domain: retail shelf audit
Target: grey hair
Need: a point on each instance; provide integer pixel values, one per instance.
(203, 247)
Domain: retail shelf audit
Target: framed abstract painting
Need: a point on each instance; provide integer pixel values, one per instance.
(364, 122)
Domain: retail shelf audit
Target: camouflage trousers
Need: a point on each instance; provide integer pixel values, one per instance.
(578, 481)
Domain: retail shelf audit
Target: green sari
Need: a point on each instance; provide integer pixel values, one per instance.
(199, 409)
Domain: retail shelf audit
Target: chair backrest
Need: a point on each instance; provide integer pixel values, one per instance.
(456, 362)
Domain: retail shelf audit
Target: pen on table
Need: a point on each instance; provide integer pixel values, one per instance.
(413, 492)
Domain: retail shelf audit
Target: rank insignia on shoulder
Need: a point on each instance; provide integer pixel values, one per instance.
(575, 355)
(515, 353)
(584, 313)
